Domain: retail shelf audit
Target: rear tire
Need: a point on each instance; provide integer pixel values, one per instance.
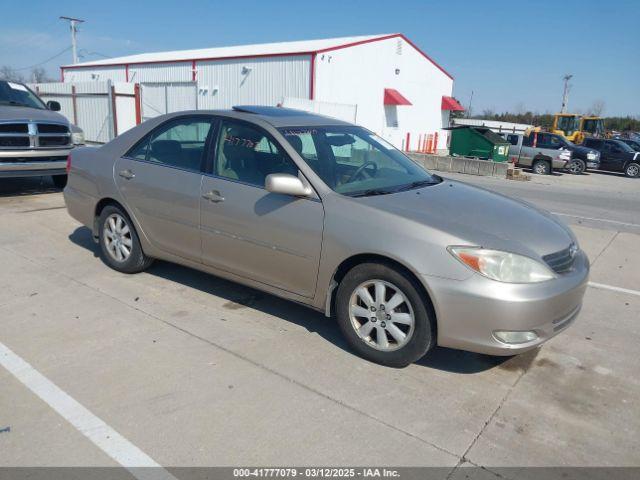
(120, 246)
(632, 170)
(60, 181)
(577, 167)
(391, 323)
(541, 167)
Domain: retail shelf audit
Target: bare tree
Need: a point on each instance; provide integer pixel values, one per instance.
(597, 108)
(488, 113)
(8, 73)
(39, 75)
(520, 108)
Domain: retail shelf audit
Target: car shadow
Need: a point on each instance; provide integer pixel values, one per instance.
(609, 173)
(238, 296)
(14, 187)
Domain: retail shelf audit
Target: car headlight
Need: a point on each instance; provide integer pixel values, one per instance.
(502, 266)
(77, 138)
(591, 156)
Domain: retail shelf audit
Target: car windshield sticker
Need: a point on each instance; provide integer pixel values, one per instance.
(288, 133)
(17, 86)
(240, 142)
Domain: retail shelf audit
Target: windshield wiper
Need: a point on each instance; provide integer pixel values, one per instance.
(419, 183)
(17, 104)
(370, 192)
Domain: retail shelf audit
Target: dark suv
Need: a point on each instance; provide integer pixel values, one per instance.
(616, 156)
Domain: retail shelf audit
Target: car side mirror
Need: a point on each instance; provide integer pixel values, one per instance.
(53, 106)
(286, 184)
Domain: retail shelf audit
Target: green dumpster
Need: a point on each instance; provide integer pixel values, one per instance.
(477, 142)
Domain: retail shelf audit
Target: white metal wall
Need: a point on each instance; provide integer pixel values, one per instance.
(91, 74)
(358, 75)
(341, 111)
(263, 80)
(61, 94)
(161, 72)
(167, 97)
(94, 106)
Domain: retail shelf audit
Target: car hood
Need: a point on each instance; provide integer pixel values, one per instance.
(582, 151)
(474, 216)
(11, 113)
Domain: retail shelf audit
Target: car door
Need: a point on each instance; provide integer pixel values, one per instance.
(246, 230)
(525, 159)
(608, 158)
(160, 179)
(617, 156)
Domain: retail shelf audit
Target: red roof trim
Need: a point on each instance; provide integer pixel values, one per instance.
(387, 37)
(394, 97)
(450, 103)
(188, 60)
(261, 55)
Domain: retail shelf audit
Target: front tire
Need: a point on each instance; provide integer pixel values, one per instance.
(632, 170)
(541, 167)
(577, 167)
(119, 243)
(384, 316)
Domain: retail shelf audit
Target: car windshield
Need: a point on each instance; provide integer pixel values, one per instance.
(594, 126)
(12, 93)
(561, 140)
(623, 146)
(355, 162)
(568, 124)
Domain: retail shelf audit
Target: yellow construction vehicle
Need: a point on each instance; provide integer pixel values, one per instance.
(575, 127)
(592, 126)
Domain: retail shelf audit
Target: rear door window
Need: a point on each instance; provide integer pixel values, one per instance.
(512, 139)
(178, 143)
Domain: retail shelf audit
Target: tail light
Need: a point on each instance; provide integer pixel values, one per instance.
(68, 167)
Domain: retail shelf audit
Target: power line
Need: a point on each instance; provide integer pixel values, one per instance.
(43, 62)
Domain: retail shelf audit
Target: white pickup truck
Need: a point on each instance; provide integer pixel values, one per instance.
(34, 139)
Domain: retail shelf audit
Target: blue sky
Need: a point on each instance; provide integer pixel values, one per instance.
(512, 54)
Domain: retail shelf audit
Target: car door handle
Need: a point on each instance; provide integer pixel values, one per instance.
(213, 196)
(126, 174)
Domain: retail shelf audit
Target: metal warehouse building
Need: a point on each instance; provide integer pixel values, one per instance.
(383, 82)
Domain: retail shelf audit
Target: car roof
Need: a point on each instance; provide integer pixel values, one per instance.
(286, 117)
(276, 117)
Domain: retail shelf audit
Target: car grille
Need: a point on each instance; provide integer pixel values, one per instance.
(33, 136)
(562, 261)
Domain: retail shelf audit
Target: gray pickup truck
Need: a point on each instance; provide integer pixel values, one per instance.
(530, 151)
(34, 139)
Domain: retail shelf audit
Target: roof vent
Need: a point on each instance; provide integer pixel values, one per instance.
(399, 46)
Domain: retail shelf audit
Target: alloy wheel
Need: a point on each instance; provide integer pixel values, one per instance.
(117, 237)
(633, 170)
(381, 315)
(576, 167)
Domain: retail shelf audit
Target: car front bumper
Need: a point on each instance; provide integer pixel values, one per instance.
(26, 163)
(470, 311)
(593, 164)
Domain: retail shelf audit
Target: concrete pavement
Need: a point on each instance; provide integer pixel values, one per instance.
(197, 371)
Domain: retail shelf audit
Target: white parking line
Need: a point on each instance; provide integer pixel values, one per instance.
(602, 286)
(102, 435)
(597, 219)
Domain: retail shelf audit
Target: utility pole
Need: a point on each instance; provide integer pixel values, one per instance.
(469, 109)
(565, 93)
(73, 24)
